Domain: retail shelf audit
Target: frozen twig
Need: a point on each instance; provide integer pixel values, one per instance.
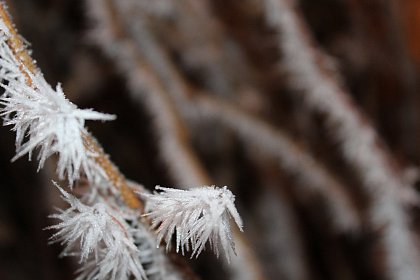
(105, 228)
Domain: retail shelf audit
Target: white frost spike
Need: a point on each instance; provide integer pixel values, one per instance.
(49, 122)
(101, 238)
(196, 216)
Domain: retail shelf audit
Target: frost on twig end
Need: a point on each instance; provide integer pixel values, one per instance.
(196, 216)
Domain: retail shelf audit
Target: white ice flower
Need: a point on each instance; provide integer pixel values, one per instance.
(101, 239)
(44, 119)
(196, 216)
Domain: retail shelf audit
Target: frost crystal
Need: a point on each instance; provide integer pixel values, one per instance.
(48, 121)
(101, 238)
(42, 117)
(196, 216)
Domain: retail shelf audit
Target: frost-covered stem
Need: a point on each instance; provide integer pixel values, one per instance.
(28, 69)
(310, 73)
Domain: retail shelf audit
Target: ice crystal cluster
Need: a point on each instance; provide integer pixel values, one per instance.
(195, 216)
(100, 237)
(43, 118)
(110, 240)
